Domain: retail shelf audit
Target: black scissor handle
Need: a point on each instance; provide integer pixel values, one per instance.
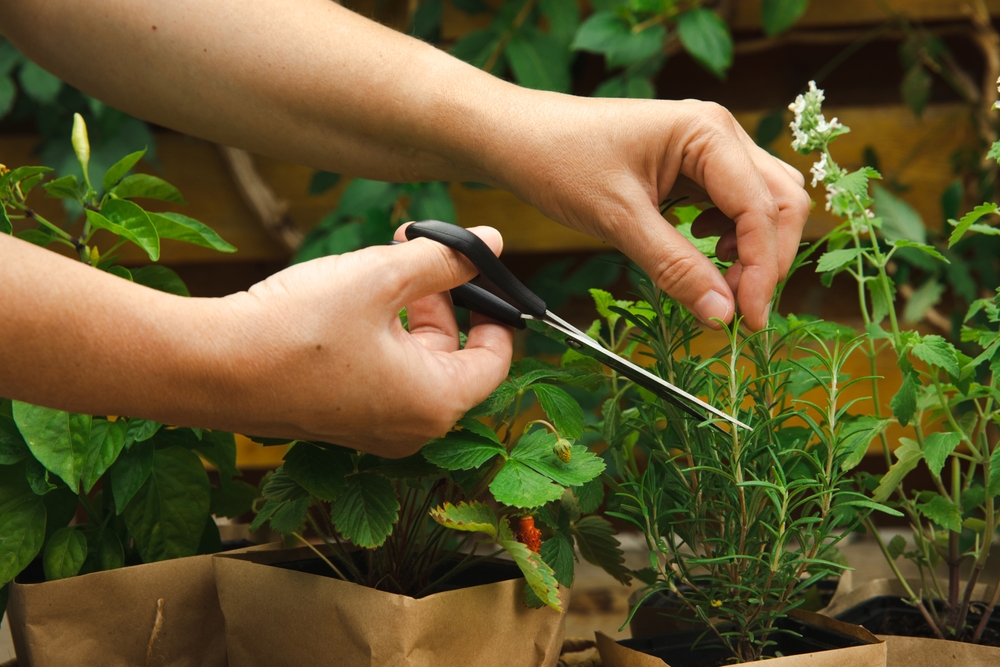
(478, 300)
(490, 267)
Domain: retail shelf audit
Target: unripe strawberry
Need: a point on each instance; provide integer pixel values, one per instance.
(563, 449)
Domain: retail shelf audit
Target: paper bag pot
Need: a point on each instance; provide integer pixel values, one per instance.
(878, 606)
(162, 614)
(823, 642)
(277, 616)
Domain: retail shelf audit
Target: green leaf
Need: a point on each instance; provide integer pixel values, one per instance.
(427, 19)
(110, 553)
(564, 19)
(13, 449)
(595, 538)
(923, 299)
(39, 479)
(899, 219)
(289, 515)
(106, 442)
(432, 201)
(366, 510)
(557, 551)
(59, 440)
(537, 573)
(937, 352)
(896, 547)
(590, 495)
(922, 247)
(362, 195)
(835, 260)
(565, 413)
(182, 228)
(777, 16)
(130, 472)
(474, 517)
(167, 516)
(539, 61)
(937, 448)
(915, 89)
(5, 225)
(64, 554)
(993, 488)
(22, 530)
(38, 84)
(8, 93)
(856, 437)
(609, 33)
(147, 187)
(119, 169)
(66, 187)
(477, 47)
(127, 220)
(462, 450)
(706, 37)
(963, 225)
(904, 403)
(322, 181)
(159, 278)
(908, 455)
(534, 449)
(322, 472)
(943, 512)
(233, 499)
(518, 485)
(140, 430)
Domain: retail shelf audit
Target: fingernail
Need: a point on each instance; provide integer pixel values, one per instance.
(712, 305)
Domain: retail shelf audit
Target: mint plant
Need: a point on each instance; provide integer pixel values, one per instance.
(949, 397)
(738, 525)
(141, 486)
(494, 484)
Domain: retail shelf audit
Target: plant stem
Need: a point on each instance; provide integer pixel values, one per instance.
(320, 554)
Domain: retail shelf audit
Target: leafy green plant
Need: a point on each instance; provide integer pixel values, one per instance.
(409, 525)
(739, 524)
(949, 397)
(141, 486)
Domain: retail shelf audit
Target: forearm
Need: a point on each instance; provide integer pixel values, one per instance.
(307, 81)
(79, 339)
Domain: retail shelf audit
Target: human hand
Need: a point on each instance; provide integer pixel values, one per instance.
(604, 166)
(339, 366)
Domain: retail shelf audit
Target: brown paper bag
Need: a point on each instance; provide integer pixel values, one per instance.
(162, 614)
(918, 651)
(872, 654)
(277, 617)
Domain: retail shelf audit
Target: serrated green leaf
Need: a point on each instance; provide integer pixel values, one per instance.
(921, 247)
(22, 531)
(937, 448)
(64, 554)
(908, 455)
(937, 352)
(596, 540)
(280, 487)
(166, 517)
(517, 485)
(835, 260)
(462, 450)
(145, 186)
(993, 488)
(106, 442)
(943, 512)
(182, 228)
(474, 517)
(565, 413)
(557, 552)
(706, 37)
(590, 495)
(537, 573)
(128, 220)
(923, 299)
(498, 401)
(967, 220)
(289, 515)
(904, 403)
(320, 471)
(534, 449)
(130, 472)
(777, 16)
(366, 510)
(59, 440)
(896, 546)
(118, 170)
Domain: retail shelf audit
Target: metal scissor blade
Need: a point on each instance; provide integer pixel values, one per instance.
(638, 374)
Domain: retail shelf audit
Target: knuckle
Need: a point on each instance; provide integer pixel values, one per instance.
(674, 271)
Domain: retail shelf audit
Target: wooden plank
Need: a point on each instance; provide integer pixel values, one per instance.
(915, 151)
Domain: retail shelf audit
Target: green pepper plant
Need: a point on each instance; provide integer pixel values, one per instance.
(140, 487)
(410, 525)
(949, 395)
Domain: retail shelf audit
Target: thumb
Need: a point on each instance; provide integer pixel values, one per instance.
(676, 266)
(422, 267)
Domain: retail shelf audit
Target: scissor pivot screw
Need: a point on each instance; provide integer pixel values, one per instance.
(574, 343)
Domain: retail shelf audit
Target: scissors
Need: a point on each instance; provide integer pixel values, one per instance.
(505, 298)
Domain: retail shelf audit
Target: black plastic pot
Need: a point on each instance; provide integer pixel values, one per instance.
(890, 615)
(683, 649)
